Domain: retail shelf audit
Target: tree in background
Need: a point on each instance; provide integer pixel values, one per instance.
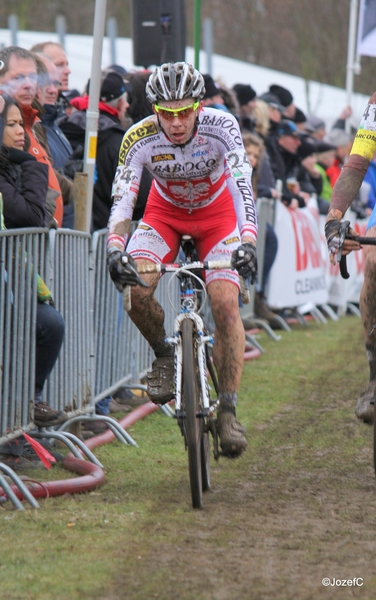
(298, 37)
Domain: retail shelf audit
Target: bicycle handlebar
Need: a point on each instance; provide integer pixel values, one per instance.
(170, 268)
(346, 235)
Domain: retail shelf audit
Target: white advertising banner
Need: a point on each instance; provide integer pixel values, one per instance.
(298, 273)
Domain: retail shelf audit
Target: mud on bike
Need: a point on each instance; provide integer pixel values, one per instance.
(195, 410)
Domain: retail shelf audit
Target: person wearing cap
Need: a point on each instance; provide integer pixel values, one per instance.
(286, 99)
(284, 162)
(310, 176)
(246, 97)
(274, 109)
(213, 96)
(112, 106)
(315, 127)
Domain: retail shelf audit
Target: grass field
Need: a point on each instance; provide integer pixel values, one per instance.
(296, 508)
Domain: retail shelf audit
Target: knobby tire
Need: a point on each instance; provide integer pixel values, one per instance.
(191, 406)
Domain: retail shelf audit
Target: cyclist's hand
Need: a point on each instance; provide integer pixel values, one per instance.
(244, 260)
(122, 272)
(334, 233)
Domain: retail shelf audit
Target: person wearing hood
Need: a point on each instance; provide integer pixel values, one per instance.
(112, 106)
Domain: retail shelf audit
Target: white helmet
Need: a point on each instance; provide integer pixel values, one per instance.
(175, 81)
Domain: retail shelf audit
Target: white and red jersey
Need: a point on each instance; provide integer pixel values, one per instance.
(189, 176)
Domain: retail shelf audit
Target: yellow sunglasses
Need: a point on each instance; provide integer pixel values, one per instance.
(181, 113)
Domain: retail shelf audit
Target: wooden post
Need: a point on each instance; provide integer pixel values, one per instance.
(80, 200)
(80, 208)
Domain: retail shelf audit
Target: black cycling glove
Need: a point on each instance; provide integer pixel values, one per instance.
(334, 231)
(122, 272)
(244, 260)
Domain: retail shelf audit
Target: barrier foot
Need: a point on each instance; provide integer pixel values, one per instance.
(264, 325)
(252, 340)
(310, 308)
(330, 312)
(118, 431)
(62, 437)
(282, 322)
(167, 410)
(21, 486)
(73, 438)
(353, 309)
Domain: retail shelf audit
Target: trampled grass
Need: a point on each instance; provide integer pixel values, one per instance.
(300, 501)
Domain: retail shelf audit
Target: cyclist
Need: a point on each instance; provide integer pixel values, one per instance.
(344, 192)
(201, 187)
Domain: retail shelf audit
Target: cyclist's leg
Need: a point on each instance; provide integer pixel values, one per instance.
(228, 355)
(364, 410)
(148, 244)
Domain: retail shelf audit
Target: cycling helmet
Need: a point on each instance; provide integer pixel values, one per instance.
(175, 81)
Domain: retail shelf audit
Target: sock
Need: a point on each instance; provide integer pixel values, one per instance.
(228, 399)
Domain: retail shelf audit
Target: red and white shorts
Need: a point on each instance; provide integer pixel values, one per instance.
(214, 229)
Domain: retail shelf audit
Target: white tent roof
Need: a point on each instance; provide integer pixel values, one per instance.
(323, 100)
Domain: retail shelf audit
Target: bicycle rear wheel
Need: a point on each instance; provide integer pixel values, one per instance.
(191, 406)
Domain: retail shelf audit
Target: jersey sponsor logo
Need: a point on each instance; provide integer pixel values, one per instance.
(145, 227)
(161, 157)
(201, 166)
(231, 240)
(132, 137)
(200, 153)
(364, 144)
(224, 123)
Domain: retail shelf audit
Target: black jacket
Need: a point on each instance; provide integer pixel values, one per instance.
(23, 185)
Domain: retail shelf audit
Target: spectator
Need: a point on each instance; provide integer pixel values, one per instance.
(342, 142)
(286, 99)
(255, 150)
(300, 119)
(325, 159)
(23, 185)
(56, 53)
(309, 176)
(370, 178)
(47, 93)
(275, 111)
(53, 138)
(316, 128)
(112, 106)
(285, 163)
(246, 97)
(18, 78)
(213, 94)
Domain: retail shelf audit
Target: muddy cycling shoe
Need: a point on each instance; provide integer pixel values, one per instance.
(160, 380)
(364, 409)
(230, 431)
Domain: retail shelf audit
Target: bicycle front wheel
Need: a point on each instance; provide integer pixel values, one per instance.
(191, 407)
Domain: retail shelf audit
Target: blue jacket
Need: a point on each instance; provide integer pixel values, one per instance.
(60, 148)
(370, 177)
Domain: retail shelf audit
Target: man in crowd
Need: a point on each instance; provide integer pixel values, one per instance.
(19, 79)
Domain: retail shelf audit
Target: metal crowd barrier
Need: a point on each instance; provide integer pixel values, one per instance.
(102, 349)
(22, 256)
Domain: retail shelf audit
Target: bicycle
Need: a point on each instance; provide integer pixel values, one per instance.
(194, 408)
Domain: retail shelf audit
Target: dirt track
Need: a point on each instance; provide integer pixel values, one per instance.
(300, 506)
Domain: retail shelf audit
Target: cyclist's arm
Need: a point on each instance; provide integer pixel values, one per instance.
(238, 173)
(124, 192)
(353, 172)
